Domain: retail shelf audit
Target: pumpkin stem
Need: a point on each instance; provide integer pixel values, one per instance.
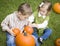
(25, 34)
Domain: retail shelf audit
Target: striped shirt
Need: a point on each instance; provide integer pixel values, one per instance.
(12, 21)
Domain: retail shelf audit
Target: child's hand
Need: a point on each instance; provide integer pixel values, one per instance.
(11, 32)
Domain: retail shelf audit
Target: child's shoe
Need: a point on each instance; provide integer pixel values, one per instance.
(40, 40)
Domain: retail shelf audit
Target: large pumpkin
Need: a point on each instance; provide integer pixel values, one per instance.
(28, 29)
(24, 39)
(56, 7)
(57, 42)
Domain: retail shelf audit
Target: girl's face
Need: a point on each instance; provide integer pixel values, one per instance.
(44, 9)
(22, 17)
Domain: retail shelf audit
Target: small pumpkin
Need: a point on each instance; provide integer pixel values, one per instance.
(16, 31)
(56, 7)
(57, 42)
(28, 29)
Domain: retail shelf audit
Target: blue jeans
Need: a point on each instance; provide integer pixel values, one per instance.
(10, 40)
(47, 32)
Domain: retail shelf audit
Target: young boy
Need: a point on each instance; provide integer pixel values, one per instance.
(40, 19)
(18, 19)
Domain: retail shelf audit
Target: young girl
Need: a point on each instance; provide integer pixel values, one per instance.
(17, 19)
(40, 19)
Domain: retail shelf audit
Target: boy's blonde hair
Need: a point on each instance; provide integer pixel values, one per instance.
(25, 8)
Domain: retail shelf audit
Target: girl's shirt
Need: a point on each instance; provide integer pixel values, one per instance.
(41, 21)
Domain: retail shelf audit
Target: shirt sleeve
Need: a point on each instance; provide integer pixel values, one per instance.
(43, 25)
(31, 18)
(4, 24)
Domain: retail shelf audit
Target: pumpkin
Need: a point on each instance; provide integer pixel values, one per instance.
(23, 39)
(28, 29)
(56, 7)
(57, 42)
(16, 31)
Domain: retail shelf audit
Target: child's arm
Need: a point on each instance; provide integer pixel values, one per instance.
(5, 25)
(31, 18)
(43, 25)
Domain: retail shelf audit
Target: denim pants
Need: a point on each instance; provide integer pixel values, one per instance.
(47, 32)
(10, 40)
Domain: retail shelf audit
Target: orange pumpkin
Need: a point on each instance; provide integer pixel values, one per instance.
(28, 29)
(24, 40)
(16, 31)
(57, 42)
(56, 7)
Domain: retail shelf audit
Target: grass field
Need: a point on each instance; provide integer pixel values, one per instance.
(9, 6)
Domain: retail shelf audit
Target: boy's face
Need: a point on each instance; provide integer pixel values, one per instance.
(44, 9)
(22, 17)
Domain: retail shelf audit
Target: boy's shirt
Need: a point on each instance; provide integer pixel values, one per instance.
(42, 21)
(12, 21)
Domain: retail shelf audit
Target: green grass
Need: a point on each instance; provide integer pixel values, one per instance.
(9, 6)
